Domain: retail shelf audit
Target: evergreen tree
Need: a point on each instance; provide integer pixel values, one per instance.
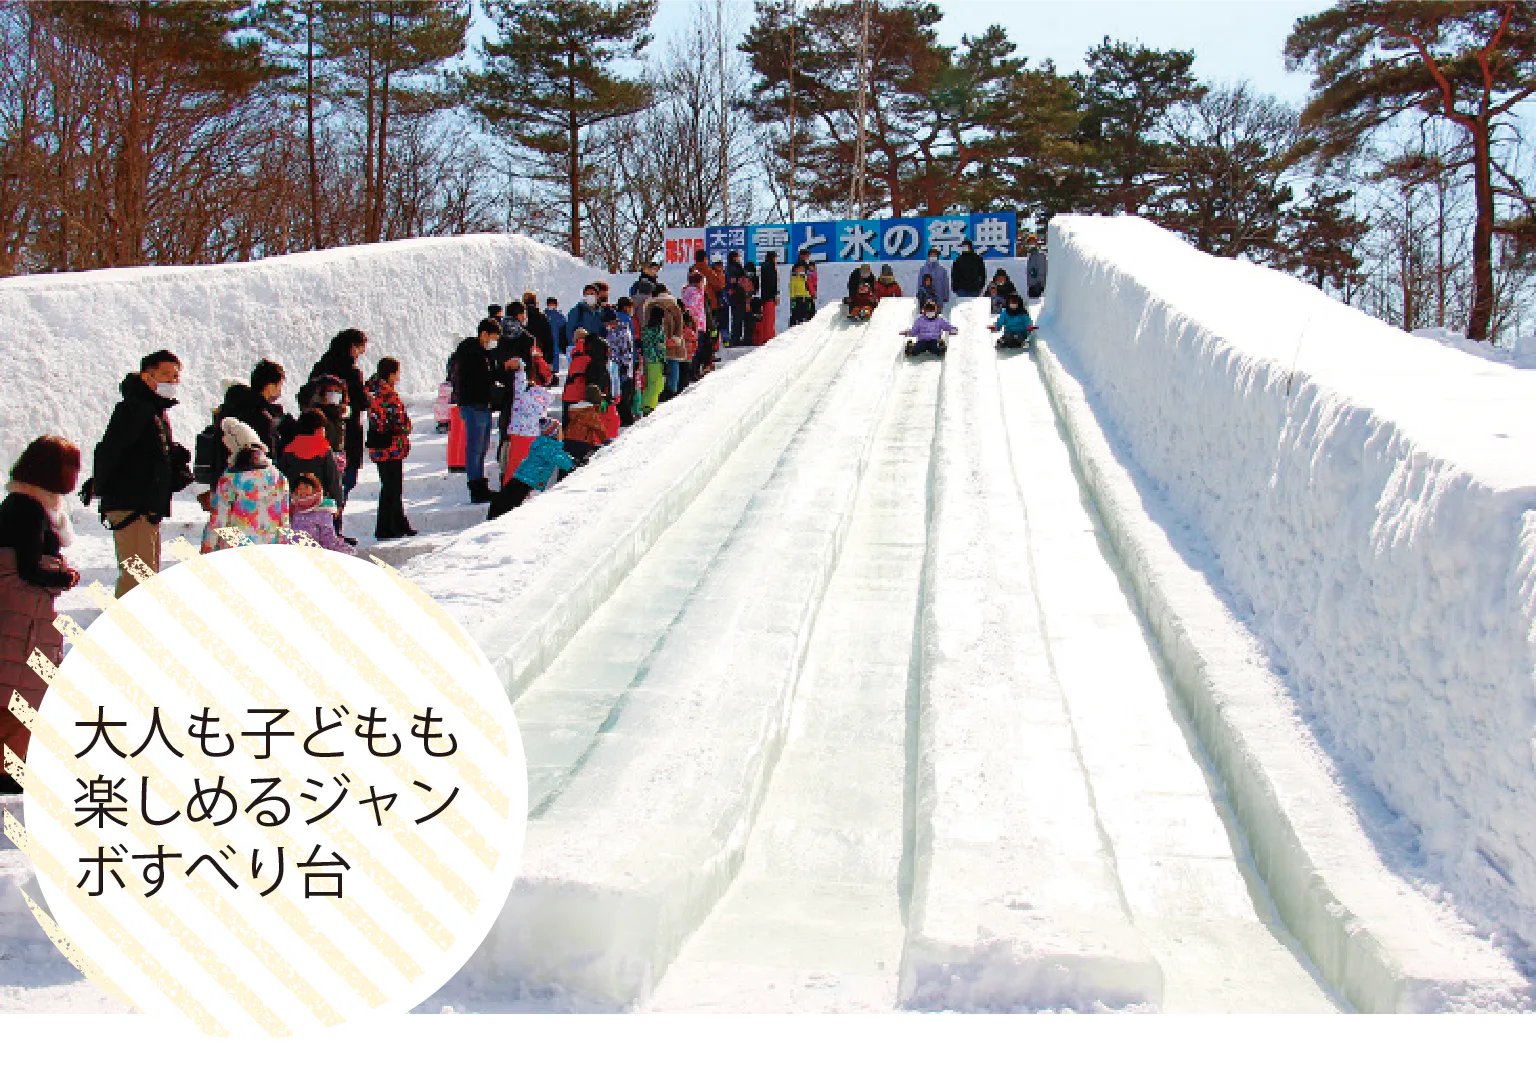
(1468, 64)
(1127, 95)
(1322, 240)
(162, 61)
(383, 47)
(551, 75)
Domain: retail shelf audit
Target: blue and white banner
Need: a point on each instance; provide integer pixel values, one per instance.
(994, 234)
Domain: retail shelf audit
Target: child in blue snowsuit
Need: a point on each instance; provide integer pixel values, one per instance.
(545, 455)
(928, 330)
(1014, 322)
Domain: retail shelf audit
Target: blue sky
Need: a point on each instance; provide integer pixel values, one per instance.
(1233, 40)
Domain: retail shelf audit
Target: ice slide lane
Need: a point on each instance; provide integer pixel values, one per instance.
(815, 919)
(1182, 863)
(628, 853)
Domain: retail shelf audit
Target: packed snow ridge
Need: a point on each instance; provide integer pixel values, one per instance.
(70, 339)
(1361, 501)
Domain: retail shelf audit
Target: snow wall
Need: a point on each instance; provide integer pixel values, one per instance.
(70, 338)
(1368, 497)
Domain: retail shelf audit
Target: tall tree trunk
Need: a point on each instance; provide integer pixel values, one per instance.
(376, 207)
(1482, 236)
(125, 246)
(573, 132)
(309, 116)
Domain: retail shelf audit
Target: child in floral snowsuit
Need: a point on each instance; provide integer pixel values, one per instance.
(252, 496)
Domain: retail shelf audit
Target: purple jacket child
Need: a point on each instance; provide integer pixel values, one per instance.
(926, 329)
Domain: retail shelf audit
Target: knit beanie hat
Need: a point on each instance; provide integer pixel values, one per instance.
(238, 437)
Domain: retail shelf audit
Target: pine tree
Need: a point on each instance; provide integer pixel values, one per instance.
(551, 75)
(163, 60)
(1322, 240)
(1470, 64)
(383, 48)
(1127, 94)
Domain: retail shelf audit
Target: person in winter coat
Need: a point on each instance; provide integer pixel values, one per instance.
(1000, 289)
(804, 260)
(714, 288)
(545, 456)
(312, 513)
(1014, 322)
(862, 275)
(928, 330)
(517, 348)
(695, 299)
(34, 532)
(653, 349)
(732, 302)
(139, 465)
(768, 291)
(255, 405)
(862, 304)
(969, 273)
(252, 496)
(309, 453)
(621, 348)
(559, 333)
(802, 301)
(341, 359)
(886, 285)
(585, 316)
(389, 432)
(584, 431)
(530, 405)
(1034, 268)
(576, 376)
(937, 279)
(478, 373)
(537, 324)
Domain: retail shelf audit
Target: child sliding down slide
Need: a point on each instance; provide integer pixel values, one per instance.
(928, 330)
(1014, 322)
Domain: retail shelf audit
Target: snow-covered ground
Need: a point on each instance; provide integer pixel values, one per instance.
(1182, 669)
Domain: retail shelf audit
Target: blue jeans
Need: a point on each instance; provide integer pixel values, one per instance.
(477, 439)
(671, 375)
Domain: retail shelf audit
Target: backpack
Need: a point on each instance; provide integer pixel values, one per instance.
(209, 458)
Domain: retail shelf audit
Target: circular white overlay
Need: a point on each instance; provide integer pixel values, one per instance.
(289, 888)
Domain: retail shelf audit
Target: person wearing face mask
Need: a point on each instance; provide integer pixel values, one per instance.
(936, 278)
(341, 359)
(927, 331)
(1015, 324)
(586, 316)
(139, 465)
(478, 374)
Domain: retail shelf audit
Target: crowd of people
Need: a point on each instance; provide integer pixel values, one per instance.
(271, 477)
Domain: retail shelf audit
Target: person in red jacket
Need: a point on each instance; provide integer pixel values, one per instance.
(575, 376)
(886, 285)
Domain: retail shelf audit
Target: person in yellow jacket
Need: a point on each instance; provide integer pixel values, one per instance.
(802, 302)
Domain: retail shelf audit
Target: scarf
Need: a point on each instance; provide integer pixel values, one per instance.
(53, 504)
(308, 446)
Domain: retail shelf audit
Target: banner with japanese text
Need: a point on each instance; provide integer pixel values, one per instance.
(993, 234)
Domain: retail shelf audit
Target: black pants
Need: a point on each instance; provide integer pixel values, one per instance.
(579, 451)
(508, 497)
(802, 310)
(739, 321)
(390, 521)
(627, 403)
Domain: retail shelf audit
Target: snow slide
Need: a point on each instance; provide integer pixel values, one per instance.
(1327, 523)
(69, 339)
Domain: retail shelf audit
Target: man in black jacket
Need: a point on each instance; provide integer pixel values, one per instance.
(478, 372)
(255, 405)
(138, 464)
(969, 274)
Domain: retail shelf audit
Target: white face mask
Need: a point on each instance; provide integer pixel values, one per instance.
(933, 259)
(591, 300)
(333, 398)
(930, 315)
(166, 390)
(487, 345)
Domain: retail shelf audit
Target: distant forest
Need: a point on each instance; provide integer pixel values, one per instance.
(174, 133)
